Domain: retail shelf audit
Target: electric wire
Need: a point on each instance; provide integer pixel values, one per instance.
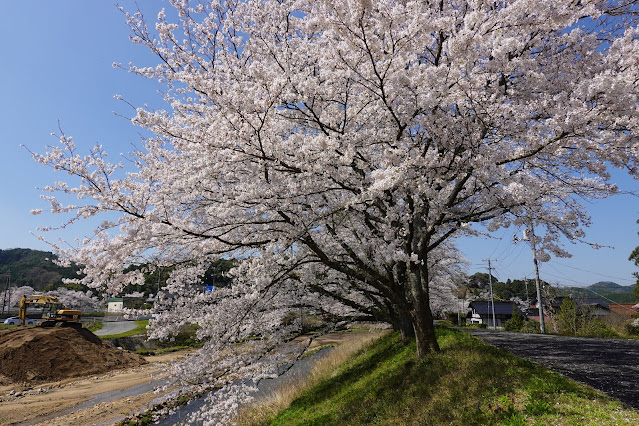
(521, 249)
(594, 273)
(499, 243)
(557, 284)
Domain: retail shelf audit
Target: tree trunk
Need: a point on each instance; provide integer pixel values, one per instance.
(406, 327)
(422, 317)
(424, 330)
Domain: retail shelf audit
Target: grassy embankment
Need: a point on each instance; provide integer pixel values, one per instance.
(467, 383)
(138, 330)
(185, 339)
(93, 326)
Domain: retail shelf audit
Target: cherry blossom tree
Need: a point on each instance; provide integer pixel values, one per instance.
(72, 298)
(82, 300)
(339, 148)
(16, 293)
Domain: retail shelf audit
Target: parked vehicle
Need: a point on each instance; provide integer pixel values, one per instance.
(16, 321)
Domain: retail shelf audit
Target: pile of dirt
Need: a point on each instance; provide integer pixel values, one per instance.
(37, 354)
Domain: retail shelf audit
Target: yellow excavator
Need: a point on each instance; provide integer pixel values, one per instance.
(53, 311)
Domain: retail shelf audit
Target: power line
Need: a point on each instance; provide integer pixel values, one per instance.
(499, 243)
(521, 249)
(598, 294)
(583, 286)
(566, 277)
(508, 247)
(594, 273)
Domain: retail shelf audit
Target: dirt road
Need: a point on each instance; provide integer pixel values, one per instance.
(104, 399)
(609, 365)
(92, 400)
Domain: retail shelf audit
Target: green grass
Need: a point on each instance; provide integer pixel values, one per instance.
(467, 383)
(317, 349)
(139, 330)
(93, 326)
(162, 351)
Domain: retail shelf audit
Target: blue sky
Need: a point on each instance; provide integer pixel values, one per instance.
(57, 58)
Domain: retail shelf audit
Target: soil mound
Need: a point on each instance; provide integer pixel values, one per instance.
(37, 354)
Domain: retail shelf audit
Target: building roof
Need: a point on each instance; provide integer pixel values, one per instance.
(501, 308)
(582, 301)
(625, 309)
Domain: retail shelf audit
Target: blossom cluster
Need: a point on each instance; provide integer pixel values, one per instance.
(337, 149)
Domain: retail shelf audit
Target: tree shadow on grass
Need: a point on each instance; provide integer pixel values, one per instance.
(468, 382)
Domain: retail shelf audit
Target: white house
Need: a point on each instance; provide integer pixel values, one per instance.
(115, 304)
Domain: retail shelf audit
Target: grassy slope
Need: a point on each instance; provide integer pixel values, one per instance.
(467, 383)
(138, 330)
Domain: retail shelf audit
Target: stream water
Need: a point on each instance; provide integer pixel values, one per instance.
(300, 369)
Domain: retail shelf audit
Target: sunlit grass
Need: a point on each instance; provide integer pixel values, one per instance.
(467, 383)
(140, 329)
(93, 326)
(282, 397)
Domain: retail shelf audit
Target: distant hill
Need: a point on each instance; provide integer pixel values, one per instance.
(607, 285)
(34, 268)
(607, 290)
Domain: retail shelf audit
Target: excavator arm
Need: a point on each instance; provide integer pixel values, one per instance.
(56, 312)
(23, 310)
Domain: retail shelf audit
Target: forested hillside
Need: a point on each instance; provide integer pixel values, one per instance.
(607, 290)
(477, 286)
(34, 268)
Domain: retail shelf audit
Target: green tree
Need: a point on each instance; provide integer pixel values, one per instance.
(35, 268)
(501, 291)
(516, 322)
(480, 280)
(568, 317)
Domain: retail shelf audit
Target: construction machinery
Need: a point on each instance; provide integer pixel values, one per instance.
(53, 311)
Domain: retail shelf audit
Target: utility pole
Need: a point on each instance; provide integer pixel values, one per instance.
(540, 307)
(490, 283)
(6, 299)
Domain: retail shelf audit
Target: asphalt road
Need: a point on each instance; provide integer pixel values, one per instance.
(115, 327)
(609, 365)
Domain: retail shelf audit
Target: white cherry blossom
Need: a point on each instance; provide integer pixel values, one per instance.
(338, 148)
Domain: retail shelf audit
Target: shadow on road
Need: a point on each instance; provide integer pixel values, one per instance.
(609, 365)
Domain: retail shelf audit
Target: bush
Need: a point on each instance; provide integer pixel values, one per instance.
(595, 327)
(453, 317)
(632, 328)
(186, 337)
(509, 326)
(569, 318)
(530, 327)
(516, 322)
